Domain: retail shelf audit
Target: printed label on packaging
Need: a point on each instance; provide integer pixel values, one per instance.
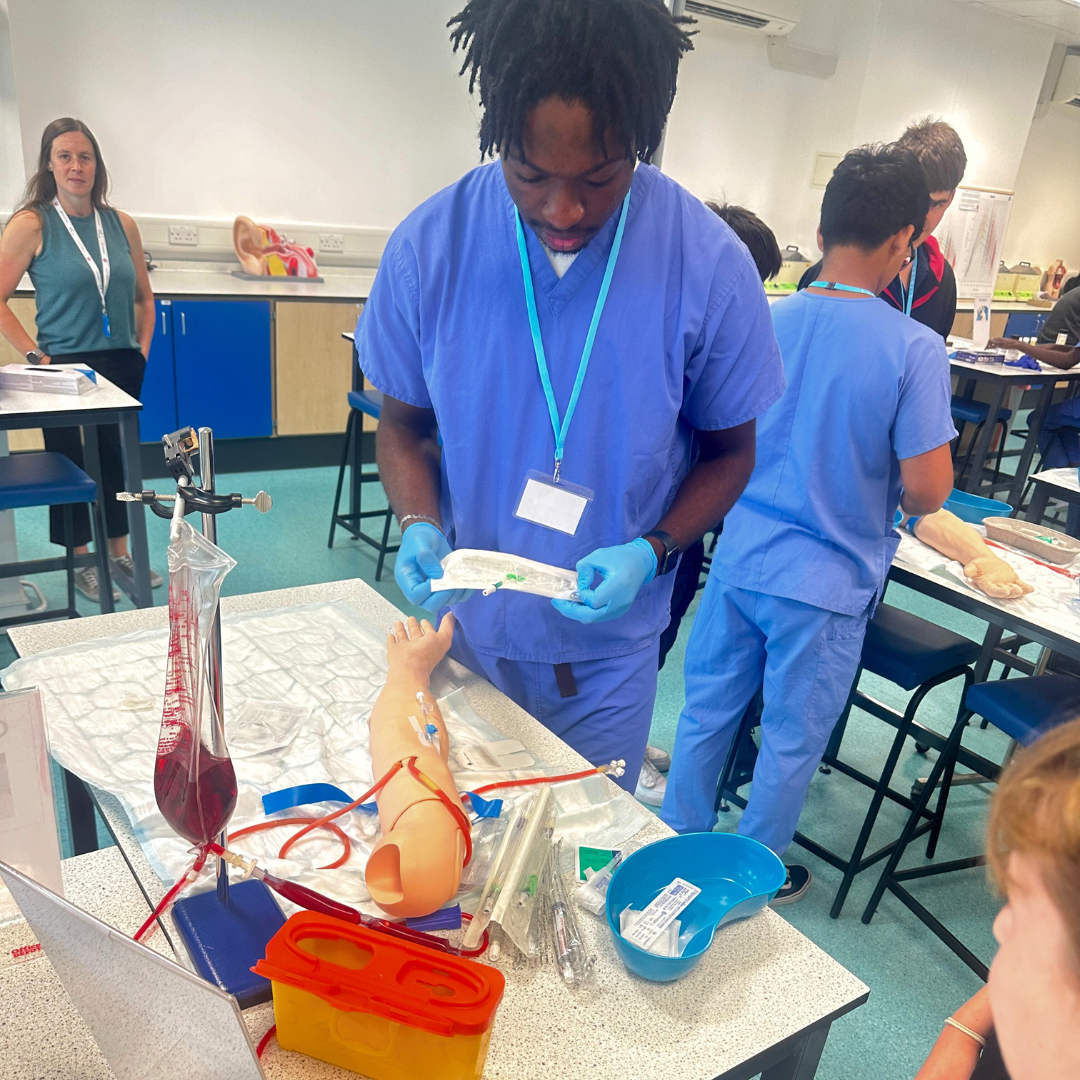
(593, 859)
(659, 915)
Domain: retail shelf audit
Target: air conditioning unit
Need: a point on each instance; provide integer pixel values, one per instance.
(1067, 90)
(773, 17)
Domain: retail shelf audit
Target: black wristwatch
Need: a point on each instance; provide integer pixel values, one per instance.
(671, 552)
(35, 356)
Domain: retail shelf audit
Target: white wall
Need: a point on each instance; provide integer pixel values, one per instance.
(350, 112)
(747, 131)
(1045, 222)
(743, 131)
(12, 176)
(340, 111)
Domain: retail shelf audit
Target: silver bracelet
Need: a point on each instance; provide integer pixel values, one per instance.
(966, 1030)
(418, 517)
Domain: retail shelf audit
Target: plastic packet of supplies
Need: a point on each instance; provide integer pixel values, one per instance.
(468, 568)
(592, 894)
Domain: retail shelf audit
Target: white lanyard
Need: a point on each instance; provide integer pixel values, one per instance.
(101, 277)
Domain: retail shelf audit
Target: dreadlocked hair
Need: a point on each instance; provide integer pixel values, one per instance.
(619, 58)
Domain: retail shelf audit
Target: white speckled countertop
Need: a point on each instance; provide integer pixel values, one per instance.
(760, 983)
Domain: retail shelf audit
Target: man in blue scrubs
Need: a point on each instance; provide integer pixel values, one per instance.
(865, 424)
(589, 344)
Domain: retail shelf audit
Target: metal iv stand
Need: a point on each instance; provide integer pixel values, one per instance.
(180, 446)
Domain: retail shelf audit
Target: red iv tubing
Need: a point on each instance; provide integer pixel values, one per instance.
(315, 901)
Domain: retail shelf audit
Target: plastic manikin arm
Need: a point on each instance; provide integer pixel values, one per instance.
(946, 533)
(416, 867)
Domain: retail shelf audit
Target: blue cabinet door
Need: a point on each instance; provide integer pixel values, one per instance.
(158, 416)
(223, 376)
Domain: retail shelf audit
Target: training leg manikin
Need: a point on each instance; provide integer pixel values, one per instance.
(416, 867)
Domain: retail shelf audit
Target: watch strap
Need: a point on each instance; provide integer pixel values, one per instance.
(671, 551)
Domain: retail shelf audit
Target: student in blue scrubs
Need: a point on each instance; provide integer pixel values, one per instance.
(865, 424)
(567, 320)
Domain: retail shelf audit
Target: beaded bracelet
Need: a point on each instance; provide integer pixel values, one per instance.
(418, 517)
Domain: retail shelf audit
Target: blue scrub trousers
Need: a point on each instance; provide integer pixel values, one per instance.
(806, 658)
(1059, 443)
(608, 718)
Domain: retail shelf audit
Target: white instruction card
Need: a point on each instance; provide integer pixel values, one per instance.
(659, 915)
(554, 506)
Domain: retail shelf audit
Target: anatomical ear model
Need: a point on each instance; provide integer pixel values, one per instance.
(946, 533)
(262, 252)
(416, 867)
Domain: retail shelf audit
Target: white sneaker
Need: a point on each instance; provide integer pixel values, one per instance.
(651, 785)
(657, 758)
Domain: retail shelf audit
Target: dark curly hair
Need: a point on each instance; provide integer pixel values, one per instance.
(620, 58)
(874, 192)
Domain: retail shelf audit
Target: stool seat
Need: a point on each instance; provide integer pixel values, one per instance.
(42, 478)
(367, 401)
(975, 412)
(910, 651)
(1026, 708)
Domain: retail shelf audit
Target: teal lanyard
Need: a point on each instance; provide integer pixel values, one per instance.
(835, 286)
(907, 299)
(560, 430)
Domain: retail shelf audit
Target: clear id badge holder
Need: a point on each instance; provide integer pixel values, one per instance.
(553, 504)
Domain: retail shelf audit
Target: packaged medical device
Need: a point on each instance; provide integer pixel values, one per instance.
(468, 568)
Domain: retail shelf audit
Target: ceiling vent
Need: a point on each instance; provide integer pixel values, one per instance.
(773, 17)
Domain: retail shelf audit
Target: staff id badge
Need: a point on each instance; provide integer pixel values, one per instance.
(552, 504)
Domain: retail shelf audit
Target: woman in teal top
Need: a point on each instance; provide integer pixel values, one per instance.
(94, 307)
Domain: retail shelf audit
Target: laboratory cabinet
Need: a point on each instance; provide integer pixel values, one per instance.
(221, 349)
(158, 416)
(209, 366)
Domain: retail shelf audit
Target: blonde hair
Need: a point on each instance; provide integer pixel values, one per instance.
(1036, 812)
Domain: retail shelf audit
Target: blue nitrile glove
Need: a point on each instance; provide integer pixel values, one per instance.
(1024, 361)
(423, 547)
(624, 570)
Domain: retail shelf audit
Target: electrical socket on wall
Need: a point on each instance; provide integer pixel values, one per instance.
(331, 241)
(184, 235)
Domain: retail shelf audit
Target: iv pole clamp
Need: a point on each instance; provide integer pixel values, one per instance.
(179, 448)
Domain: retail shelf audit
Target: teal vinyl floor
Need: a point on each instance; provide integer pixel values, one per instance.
(915, 981)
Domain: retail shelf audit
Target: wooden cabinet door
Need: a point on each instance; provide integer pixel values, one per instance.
(24, 309)
(313, 366)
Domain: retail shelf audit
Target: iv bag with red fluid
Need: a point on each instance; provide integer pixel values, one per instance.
(194, 780)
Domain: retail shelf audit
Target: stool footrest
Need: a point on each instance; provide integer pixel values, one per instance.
(44, 566)
(938, 928)
(868, 781)
(37, 617)
(939, 868)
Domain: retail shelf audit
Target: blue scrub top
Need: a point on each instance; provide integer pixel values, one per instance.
(685, 342)
(867, 387)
